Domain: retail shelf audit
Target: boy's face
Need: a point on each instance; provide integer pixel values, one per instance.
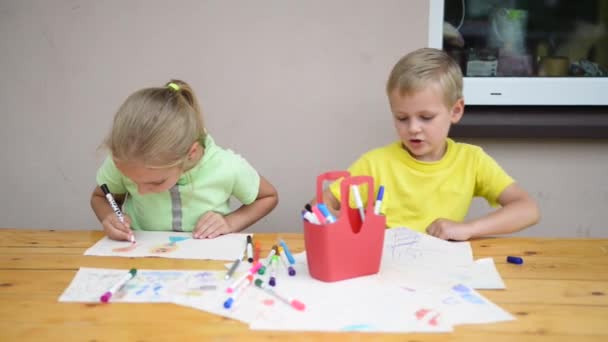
(423, 121)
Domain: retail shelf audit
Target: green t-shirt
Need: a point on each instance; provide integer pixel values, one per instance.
(417, 193)
(208, 186)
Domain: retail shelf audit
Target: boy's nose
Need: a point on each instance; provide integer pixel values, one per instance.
(414, 126)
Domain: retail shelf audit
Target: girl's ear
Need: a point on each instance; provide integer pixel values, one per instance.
(194, 150)
(457, 111)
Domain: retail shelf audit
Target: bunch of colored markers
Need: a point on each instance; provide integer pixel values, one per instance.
(278, 254)
(320, 214)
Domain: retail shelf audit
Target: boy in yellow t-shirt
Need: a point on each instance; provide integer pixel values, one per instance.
(429, 179)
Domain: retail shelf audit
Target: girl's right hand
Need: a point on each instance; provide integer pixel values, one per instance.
(117, 230)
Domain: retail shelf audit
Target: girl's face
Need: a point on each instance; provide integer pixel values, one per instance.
(423, 121)
(149, 180)
(152, 180)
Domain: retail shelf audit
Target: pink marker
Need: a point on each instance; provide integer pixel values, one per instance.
(251, 272)
(294, 303)
(319, 214)
(106, 296)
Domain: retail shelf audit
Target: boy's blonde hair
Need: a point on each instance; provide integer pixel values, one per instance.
(157, 126)
(425, 66)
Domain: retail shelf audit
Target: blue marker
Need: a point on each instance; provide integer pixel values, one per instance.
(328, 216)
(379, 200)
(287, 252)
(515, 260)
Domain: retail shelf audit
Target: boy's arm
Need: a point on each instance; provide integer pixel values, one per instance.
(247, 215)
(518, 211)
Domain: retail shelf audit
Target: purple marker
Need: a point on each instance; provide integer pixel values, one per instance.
(106, 296)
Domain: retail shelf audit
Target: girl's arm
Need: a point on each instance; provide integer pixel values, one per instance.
(247, 215)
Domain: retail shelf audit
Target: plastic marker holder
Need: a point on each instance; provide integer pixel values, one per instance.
(349, 247)
(108, 294)
(236, 283)
(294, 303)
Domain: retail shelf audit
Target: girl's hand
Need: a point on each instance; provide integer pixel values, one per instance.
(211, 225)
(449, 230)
(115, 229)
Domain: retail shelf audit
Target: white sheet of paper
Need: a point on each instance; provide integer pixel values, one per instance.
(147, 286)
(329, 306)
(484, 275)
(173, 245)
(462, 305)
(405, 247)
(420, 256)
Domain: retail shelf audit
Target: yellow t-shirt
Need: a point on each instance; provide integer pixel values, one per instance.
(416, 193)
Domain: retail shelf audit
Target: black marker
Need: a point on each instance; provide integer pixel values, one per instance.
(115, 207)
(249, 249)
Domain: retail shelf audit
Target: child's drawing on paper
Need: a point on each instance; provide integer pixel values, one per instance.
(162, 249)
(168, 247)
(403, 245)
(128, 248)
(197, 283)
(430, 316)
(178, 245)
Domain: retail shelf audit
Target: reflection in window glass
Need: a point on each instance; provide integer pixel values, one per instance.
(531, 38)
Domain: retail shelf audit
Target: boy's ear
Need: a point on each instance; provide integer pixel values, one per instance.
(457, 110)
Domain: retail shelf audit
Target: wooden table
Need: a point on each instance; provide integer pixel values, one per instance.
(560, 293)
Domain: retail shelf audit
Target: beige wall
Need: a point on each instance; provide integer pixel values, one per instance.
(294, 86)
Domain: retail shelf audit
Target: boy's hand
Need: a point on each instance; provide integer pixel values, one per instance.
(211, 225)
(448, 230)
(115, 229)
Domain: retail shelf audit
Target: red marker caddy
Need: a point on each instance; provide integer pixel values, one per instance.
(347, 248)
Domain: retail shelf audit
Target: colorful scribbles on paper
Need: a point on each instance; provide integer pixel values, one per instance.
(168, 247)
(466, 294)
(430, 316)
(164, 248)
(128, 248)
(176, 239)
(358, 327)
